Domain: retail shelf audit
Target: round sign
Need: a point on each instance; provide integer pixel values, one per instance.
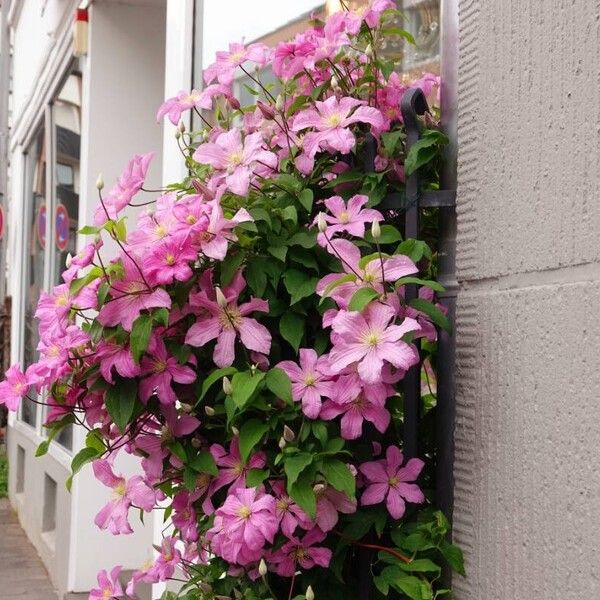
(41, 225)
(62, 227)
(1, 222)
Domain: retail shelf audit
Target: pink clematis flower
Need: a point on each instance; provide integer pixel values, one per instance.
(289, 514)
(170, 261)
(347, 216)
(243, 525)
(371, 340)
(236, 161)
(115, 356)
(227, 62)
(184, 516)
(372, 273)
(330, 502)
(175, 106)
(232, 469)
(301, 553)
(130, 296)
(389, 481)
(310, 381)
(109, 586)
(160, 370)
(225, 320)
(14, 387)
(215, 240)
(129, 183)
(331, 119)
(134, 491)
(357, 405)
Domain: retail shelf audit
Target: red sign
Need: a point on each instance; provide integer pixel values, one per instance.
(61, 225)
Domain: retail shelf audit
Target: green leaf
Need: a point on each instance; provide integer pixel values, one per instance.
(306, 239)
(414, 249)
(424, 150)
(140, 336)
(204, 462)
(306, 198)
(339, 476)
(303, 495)
(432, 311)
(297, 104)
(397, 31)
(89, 230)
(454, 555)
(84, 456)
(256, 278)
(319, 430)
(294, 465)
(230, 266)
(250, 434)
(434, 285)
(390, 140)
(256, 476)
(289, 213)
(345, 177)
(389, 235)
(214, 377)
(279, 383)
(94, 439)
(362, 298)
(278, 252)
(42, 448)
(120, 401)
(291, 327)
(418, 565)
(413, 587)
(299, 285)
(161, 316)
(244, 385)
(78, 284)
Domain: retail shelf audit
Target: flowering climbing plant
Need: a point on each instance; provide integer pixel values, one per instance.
(248, 340)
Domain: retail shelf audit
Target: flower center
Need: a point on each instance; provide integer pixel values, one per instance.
(344, 217)
(170, 258)
(191, 219)
(119, 490)
(371, 338)
(236, 57)
(310, 379)
(282, 504)
(244, 512)
(160, 231)
(18, 387)
(393, 481)
(230, 318)
(62, 300)
(107, 593)
(301, 553)
(235, 158)
(159, 366)
(333, 120)
(53, 352)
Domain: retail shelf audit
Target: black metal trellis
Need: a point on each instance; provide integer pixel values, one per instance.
(411, 202)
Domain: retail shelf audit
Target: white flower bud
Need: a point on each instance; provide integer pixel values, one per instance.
(221, 300)
(69, 260)
(375, 230)
(181, 127)
(321, 222)
(334, 82)
(369, 50)
(310, 595)
(99, 182)
(177, 134)
(227, 387)
(282, 443)
(235, 431)
(319, 488)
(210, 411)
(288, 434)
(279, 103)
(186, 408)
(262, 567)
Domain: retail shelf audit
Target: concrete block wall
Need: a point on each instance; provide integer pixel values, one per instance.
(527, 467)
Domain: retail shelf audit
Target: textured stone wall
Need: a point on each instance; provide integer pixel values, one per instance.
(527, 494)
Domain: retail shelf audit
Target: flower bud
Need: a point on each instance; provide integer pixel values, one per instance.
(235, 431)
(321, 222)
(186, 408)
(177, 134)
(279, 103)
(181, 127)
(196, 443)
(265, 109)
(288, 434)
(99, 182)
(237, 594)
(375, 230)
(319, 488)
(282, 443)
(369, 51)
(262, 567)
(310, 595)
(68, 260)
(335, 82)
(210, 411)
(227, 387)
(233, 102)
(221, 300)
(203, 189)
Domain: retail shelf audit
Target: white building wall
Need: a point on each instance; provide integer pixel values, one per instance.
(123, 84)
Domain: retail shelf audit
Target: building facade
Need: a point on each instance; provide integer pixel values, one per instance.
(521, 104)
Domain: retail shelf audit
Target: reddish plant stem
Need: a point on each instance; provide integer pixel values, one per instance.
(390, 551)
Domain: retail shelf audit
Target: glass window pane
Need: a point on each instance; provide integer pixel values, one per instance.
(66, 119)
(35, 243)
